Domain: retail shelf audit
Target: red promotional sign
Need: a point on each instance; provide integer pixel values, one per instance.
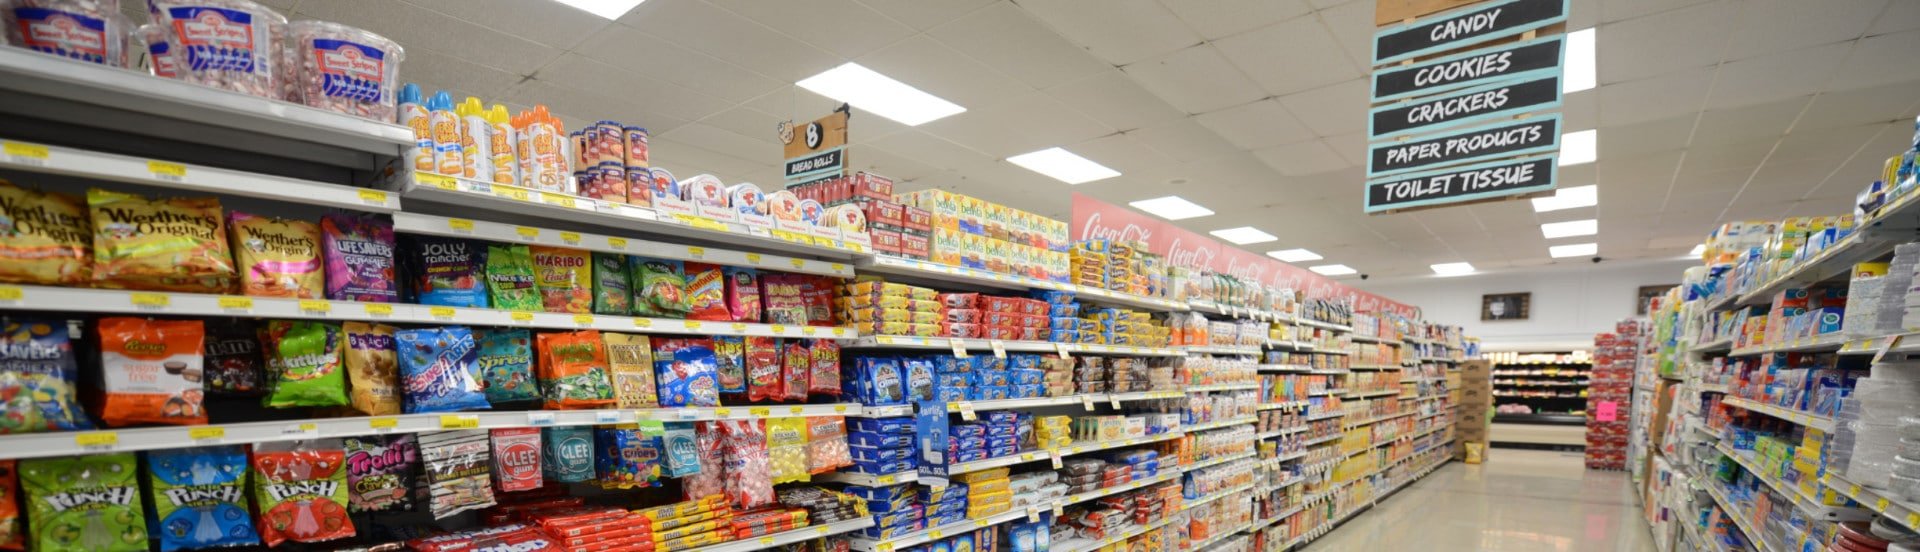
(1095, 219)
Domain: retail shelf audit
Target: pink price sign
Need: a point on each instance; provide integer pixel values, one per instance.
(1607, 411)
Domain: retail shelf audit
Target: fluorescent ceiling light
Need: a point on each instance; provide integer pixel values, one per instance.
(1698, 249)
(1294, 255)
(1580, 70)
(883, 96)
(1244, 235)
(609, 9)
(1171, 208)
(1570, 228)
(1574, 250)
(1568, 198)
(1334, 270)
(1064, 166)
(1452, 269)
(1578, 148)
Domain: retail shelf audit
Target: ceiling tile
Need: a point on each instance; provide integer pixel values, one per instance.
(1745, 124)
(1867, 65)
(799, 105)
(930, 66)
(1637, 139)
(746, 122)
(1774, 77)
(1009, 39)
(1289, 57)
(556, 26)
(670, 62)
(1331, 110)
(1581, 111)
(932, 150)
(687, 160)
(880, 162)
(708, 29)
(1900, 16)
(1685, 38)
(1029, 122)
(1183, 139)
(434, 70)
(1770, 26)
(1115, 100)
(1119, 31)
(416, 27)
(599, 78)
(580, 106)
(924, 15)
(1878, 104)
(1653, 98)
(1352, 27)
(1216, 19)
(1302, 158)
(1744, 156)
(1833, 144)
(1351, 147)
(1616, 10)
(714, 139)
(826, 24)
(1195, 80)
(1256, 125)
(1133, 159)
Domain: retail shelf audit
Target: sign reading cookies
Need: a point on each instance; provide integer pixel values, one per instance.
(817, 150)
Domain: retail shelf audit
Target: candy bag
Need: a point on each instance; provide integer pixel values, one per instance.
(611, 292)
(787, 450)
(165, 244)
(152, 371)
(516, 458)
(277, 257)
(301, 488)
(233, 358)
(373, 368)
(505, 366)
(84, 503)
(781, 298)
(359, 250)
(827, 444)
(630, 360)
(199, 497)
(628, 458)
(796, 367)
(37, 378)
(564, 277)
(680, 447)
(706, 293)
(446, 271)
(825, 379)
(45, 238)
(573, 371)
(729, 353)
(304, 357)
(510, 278)
(762, 363)
(459, 477)
(749, 479)
(743, 294)
(380, 472)
(659, 287)
(567, 454)
(711, 478)
(684, 369)
(436, 366)
(12, 535)
(818, 291)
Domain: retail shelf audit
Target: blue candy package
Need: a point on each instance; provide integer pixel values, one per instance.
(504, 366)
(436, 368)
(446, 271)
(687, 372)
(37, 374)
(199, 497)
(681, 445)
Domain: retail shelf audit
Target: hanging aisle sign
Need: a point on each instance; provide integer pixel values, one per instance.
(1466, 106)
(1501, 139)
(1533, 58)
(1456, 184)
(1466, 27)
(817, 151)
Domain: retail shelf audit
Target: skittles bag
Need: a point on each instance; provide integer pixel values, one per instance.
(84, 503)
(199, 497)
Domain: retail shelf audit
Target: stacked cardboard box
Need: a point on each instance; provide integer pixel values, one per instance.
(1475, 399)
(1610, 394)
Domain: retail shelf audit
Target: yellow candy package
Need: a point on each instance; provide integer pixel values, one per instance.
(44, 237)
(787, 450)
(565, 279)
(277, 257)
(177, 244)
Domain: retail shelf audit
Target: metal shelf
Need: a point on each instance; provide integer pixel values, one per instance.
(413, 223)
(1323, 325)
(1830, 342)
(47, 159)
(1219, 350)
(1221, 424)
(1037, 455)
(1815, 421)
(1365, 394)
(784, 538)
(943, 343)
(933, 533)
(1223, 387)
(1375, 339)
(1880, 501)
(1248, 313)
(937, 272)
(1739, 517)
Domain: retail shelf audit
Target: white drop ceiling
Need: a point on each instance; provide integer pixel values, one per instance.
(1708, 110)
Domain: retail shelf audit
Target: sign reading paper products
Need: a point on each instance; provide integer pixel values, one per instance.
(1533, 58)
(1501, 139)
(1465, 27)
(1466, 106)
(1458, 184)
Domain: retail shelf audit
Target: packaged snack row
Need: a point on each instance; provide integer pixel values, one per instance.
(1119, 266)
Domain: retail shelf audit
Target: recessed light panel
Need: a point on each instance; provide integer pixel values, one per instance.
(1570, 228)
(1580, 72)
(1294, 255)
(1698, 249)
(1579, 148)
(1063, 165)
(1244, 235)
(1574, 250)
(609, 9)
(1171, 208)
(1333, 270)
(1568, 198)
(1452, 269)
(879, 94)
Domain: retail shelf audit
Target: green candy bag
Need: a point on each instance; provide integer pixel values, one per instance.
(84, 503)
(509, 273)
(304, 362)
(612, 294)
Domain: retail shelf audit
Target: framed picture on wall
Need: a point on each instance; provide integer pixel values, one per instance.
(1646, 295)
(1505, 306)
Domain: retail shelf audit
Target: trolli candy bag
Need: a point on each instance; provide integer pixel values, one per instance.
(45, 238)
(459, 471)
(573, 371)
(37, 375)
(277, 257)
(359, 250)
(380, 472)
(564, 278)
(301, 488)
(304, 364)
(152, 371)
(510, 281)
(436, 370)
(373, 367)
(505, 366)
(233, 359)
(164, 244)
(516, 459)
(199, 497)
(84, 503)
(446, 271)
(630, 359)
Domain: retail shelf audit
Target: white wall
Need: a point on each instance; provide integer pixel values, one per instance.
(1570, 302)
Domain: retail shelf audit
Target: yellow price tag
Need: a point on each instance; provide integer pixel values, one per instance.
(521, 317)
(17, 149)
(460, 225)
(167, 171)
(1913, 519)
(510, 192)
(643, 322)
(12, 293)
(808, 330)
(316, 306)
(839, 332)
(887, 479)
(694, 324)
(722, 412)
(572, 238)
(155, 300)
(799, 409)
(440, 181)
(616, 243)
(779, 329)
(759, 412)
(440, 312)
(838, 408)
(379, 309)
(753, 258)
(936, 533)
(309, 427)
(982, 522)
(231, 302)
(97, 439)
(709, 224)
(884, 340)
(383, 423)
(375, 197)
(1880, 504)
(203, 433)
(882, 547)
(837, 267)
(821, 530)
(583, 319)
(766, 541)
(459, 421)
(697, 252)
(527, 232)
(559, 199)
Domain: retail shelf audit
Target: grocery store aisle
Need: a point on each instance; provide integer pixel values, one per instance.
(1520, 500)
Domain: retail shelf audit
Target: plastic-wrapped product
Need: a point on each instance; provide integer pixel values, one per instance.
(706, 293)
(152, 371)
(86, 30)
(446, 271)
(199, 497)
(659, 287)
(567, 454)
(730, 363)
(628, 456)
(711, 478)
(796, 367)
(761, 364)
(345, 70)
(38, 371)
(827, 448)
(825, 379)
(436, 369)
(230, 44)
(573, 371)
(12, 536)
(743, 294)
(359, 251)
(304, 367)
(787, 449)
(505, 365)
(177, 244)
(516, 456)
(612, 293)
(680, 450)
(749, 478)
(60, 522)
(684, 369)
(153, 38)
(277, 257)
(233, 358)
(510, 280)
(459, 471)
(301, 492)
(564, 276)
(380, 472)
(630, 363)
(56, 249)
(373, 368)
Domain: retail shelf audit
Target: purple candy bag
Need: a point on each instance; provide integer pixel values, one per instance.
(359, 252)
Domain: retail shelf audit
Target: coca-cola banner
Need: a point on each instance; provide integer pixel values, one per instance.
(1095, 219)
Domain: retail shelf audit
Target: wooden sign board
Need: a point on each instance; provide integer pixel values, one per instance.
(818, 150)
(1501, 99)
(1465, 27)
(1480, 143)
(1388, 12)
(1529, 59)
(1455, 184)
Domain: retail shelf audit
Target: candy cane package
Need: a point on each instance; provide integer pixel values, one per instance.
(229, 44)
(346, 70)
(86, 30)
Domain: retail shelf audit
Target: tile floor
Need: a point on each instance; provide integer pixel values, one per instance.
(1520, 500)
